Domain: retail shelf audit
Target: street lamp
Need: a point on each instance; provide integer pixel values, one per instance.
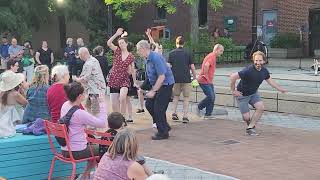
(60, 1)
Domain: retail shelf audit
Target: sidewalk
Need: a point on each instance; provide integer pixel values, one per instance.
(287, 147)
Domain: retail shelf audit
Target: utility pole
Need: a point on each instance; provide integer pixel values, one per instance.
(109, 23)
(254, 20)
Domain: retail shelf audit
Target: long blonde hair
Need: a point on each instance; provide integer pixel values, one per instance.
(126, 144)
(40, 76)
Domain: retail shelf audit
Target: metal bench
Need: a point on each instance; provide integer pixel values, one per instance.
(29, 157)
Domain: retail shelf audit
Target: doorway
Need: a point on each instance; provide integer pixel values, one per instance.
(314, 30)
(270, 25)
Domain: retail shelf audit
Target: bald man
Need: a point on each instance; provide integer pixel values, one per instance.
(92, 79)
(16, 52)
(205, 80)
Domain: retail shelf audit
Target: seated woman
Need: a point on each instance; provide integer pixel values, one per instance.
(56, 95)
(37, 106)
(120, 161)
(78, 123)
(13, 65)
(10, 83)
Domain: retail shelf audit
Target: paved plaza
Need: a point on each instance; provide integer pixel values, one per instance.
(287, 147)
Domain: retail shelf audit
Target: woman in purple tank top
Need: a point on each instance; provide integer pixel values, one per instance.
(120, 161)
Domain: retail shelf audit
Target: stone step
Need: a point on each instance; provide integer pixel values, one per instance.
(296, 86)
(294, 103)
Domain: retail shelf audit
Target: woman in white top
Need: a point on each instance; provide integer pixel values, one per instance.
(10, 84)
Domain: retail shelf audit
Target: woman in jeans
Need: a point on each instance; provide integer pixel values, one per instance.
(28, 61)
(78, 123)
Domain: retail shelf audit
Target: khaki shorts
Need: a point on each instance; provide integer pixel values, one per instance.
(185, 88)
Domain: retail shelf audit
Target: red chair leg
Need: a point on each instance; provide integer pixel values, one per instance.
(74, 168)
(51, 167)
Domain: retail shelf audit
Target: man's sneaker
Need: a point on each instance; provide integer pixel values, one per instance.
(175, 117)
(139, 111)
(129, 120)
(154, 125)
(198, 112)
(185, 120)
(251, 132)
(209, 117)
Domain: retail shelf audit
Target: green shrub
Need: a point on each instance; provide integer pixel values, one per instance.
(135, 38)
(227, 43)
(167, 44)
(286, 40)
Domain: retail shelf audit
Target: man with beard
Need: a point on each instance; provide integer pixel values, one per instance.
(247, 90)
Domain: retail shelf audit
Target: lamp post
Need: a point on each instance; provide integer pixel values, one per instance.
(254, 20)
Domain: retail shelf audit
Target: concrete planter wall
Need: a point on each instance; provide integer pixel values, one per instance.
(285, 53)
(317, 53)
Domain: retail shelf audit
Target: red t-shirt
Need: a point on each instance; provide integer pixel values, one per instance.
(56, 97)
(211, 59)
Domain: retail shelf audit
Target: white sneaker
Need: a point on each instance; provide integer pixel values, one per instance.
(154, 125)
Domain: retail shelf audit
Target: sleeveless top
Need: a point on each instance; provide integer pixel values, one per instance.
(119, 76)
(115, 169)
(9, 115)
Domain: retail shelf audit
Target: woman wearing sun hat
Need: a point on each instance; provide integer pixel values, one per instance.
(10, 83)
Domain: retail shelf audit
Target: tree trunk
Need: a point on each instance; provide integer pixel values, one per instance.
(194, 28)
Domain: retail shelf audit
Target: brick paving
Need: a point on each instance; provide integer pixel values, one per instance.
(221, 146)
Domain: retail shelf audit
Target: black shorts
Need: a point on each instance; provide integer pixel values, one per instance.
(115, 90)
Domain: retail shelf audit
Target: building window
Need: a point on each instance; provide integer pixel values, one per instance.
(161, 13)
(203, 13)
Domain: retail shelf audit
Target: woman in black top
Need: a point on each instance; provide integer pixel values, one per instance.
(99, 55)
(44, 55)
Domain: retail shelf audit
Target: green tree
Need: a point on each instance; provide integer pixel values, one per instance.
(19, 17)
(126, 8)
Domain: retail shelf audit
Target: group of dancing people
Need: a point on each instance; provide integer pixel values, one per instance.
(164, 79)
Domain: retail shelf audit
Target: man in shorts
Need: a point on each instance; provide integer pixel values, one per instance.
(247, 90)
(181, 63)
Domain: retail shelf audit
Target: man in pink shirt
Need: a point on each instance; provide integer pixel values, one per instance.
(205, 80)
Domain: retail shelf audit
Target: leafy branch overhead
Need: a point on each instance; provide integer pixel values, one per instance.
(125, 9)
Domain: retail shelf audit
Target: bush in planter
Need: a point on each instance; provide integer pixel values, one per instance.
(285, 41)
(227, 43)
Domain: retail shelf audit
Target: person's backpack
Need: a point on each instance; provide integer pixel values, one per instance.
(66, 120)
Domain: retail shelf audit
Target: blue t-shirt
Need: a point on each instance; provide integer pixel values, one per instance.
(251, 79)
(156, 66)
(4, 50)
(71, 54)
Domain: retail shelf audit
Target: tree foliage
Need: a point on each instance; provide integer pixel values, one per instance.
(126, 8)
(19, 17)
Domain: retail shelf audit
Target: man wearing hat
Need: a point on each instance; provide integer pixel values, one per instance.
(10, 97)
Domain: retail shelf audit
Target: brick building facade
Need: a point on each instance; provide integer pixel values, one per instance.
(273, 16)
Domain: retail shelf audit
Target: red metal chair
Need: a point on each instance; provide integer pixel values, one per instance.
(95, 137)
(60, 130)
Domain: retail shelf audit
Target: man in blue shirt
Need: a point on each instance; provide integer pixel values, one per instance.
(4, 52)
(246, 93)
(161, 79)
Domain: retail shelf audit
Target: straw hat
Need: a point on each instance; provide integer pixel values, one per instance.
(10, 80)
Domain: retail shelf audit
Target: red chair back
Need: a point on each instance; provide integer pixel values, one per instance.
(91, 134)
(58, 130)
